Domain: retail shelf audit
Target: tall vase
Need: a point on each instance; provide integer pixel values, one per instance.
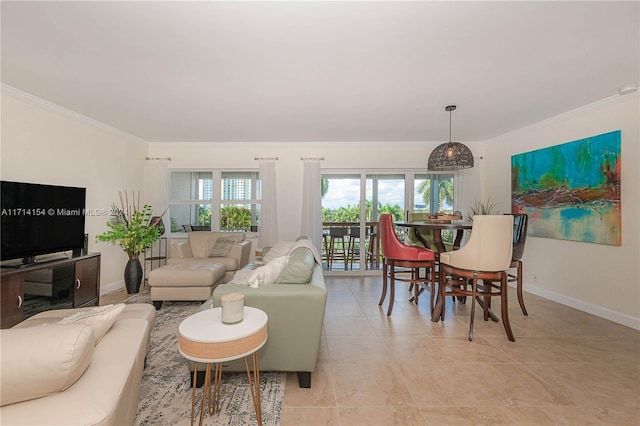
(133, 275)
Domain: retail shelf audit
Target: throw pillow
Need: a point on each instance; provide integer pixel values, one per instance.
(101, 318)
(42, 360)
(223, 245)
(263, 275)
(278, 250)
(299, 267)
(268, 273)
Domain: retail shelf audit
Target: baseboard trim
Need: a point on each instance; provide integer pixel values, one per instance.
(114, 286)
(599, 311)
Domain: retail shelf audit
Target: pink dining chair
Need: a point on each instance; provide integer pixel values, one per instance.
(399, 258)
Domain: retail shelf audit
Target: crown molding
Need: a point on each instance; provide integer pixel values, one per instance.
(571, 113)
(57, 109)
(284, 145)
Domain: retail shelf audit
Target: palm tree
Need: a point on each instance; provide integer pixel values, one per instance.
(204, 215)
(445, 192)
(324, 187)
(396, 211)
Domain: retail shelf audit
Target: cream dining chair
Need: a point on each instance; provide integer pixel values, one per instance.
(481, 264)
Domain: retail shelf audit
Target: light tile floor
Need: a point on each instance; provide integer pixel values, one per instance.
(566, 366)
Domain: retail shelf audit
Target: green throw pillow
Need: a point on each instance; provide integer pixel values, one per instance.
(223, 245)
(299, 267)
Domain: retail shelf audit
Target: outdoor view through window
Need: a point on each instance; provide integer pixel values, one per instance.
(230, 201)
(345, 246)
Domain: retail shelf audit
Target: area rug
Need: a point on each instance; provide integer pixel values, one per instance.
(166, 391)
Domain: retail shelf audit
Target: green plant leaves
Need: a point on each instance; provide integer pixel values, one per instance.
(134, 232)
(481, 208)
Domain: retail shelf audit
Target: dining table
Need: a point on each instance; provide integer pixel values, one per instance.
(437, 226)
(458, 225)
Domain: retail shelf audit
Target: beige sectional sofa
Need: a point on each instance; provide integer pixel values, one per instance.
(59, 374)
(295, 305)
(200, 248)
(196, 266)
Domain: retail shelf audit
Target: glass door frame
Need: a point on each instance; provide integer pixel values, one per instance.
(409, 202)
(409, 177)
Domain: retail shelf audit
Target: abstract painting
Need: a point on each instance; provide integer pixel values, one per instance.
(571, 191)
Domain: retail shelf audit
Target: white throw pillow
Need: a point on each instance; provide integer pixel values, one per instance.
(263, 275)
(278, 250)
(101, 318)
(42, 360)
(268, 273)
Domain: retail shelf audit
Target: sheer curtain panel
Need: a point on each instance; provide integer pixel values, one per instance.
(268, 224)
(311, 224)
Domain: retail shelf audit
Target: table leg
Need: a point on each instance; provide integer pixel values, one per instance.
(206, 392)
(458, 240)
(419, 237)
(193, 392)
(437, 239)
(214, 401)
(254, 386)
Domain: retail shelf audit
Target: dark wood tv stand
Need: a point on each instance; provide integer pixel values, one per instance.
(55, 284)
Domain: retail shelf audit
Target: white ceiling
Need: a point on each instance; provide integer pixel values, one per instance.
(320, 71)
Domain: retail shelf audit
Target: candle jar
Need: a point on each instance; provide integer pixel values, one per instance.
(232, 308)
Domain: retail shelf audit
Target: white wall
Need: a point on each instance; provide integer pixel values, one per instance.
(600, 279)
(42, 143)
(372, 156)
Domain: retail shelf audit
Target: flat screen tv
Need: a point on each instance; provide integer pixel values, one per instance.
(40, 219)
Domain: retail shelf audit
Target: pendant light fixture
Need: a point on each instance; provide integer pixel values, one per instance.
(450, 155)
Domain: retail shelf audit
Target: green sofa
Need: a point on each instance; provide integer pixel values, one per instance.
(296, 314)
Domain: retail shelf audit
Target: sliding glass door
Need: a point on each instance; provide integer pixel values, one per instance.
(353, 200)
(340, 221)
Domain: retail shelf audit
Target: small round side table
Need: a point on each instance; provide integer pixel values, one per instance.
(204, 338)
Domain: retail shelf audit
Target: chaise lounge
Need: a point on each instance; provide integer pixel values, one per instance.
(196, 266)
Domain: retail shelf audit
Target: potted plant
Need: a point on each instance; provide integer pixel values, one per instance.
(134, 230)
(481, 208)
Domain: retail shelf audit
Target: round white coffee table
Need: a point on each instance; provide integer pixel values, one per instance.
(204, 338)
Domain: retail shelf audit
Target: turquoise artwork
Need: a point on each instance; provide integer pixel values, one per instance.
(571, 191)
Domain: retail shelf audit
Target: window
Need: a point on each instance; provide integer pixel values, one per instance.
(241, 194)
(191, 201)
(396, 192)
(341, 198)
(433, 193)
(197, 205)
(385, 194)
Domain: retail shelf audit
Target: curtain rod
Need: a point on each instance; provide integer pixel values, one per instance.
(158, 158)
(265, 158)
(312, 158)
